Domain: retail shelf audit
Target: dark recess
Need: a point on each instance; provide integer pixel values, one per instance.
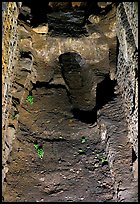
(105, 92)
(25, 55)
(11, 125)
(93, 8)
(89, 117)
(38, 12)
(47, 85)
(134, 157)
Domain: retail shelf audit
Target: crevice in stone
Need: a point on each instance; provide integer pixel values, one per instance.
(136, 73)
(50, 118)
(133, 107)
(5, 180)
(39, 84)
(11, 125)
(134, 157)
(15, 101)
(19, 84)
(7, 144)
(26, 70)
(25, 54)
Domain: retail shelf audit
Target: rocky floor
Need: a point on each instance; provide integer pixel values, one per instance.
(72, 169)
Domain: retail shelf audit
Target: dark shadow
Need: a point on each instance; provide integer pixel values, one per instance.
(38, 12)
(134, 157)
(93, 8)
(89, 117)
(26, 55)
(105, 92)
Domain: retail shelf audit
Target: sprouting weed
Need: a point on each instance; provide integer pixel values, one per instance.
(36, 146)
(40, 150)
(103, 159)
(29, 99)
(83, 139)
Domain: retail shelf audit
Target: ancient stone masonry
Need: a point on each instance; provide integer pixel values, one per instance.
(127, 65)
(118, 120)
(89, 49)
(10, 12)
(97, 48)
(114, 131)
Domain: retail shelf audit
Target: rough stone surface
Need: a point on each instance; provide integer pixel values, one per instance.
(82, 79)
(114, 132)
(64, 6)
(131, 10)
(99, 58)
(67, 24)
(9, 56)
(38, 66)
(104, 4)
(121, 134)
(78, 77)
(57, 6)
(127, 66)
(64, 174)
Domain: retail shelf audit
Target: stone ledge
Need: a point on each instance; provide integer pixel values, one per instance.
(119, 150)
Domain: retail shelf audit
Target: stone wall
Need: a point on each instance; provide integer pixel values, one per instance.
(10, 12)
(118, 119)
(126, 74)
(127, 65)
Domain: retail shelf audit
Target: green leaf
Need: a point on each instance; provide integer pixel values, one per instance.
(104, 160)
(29, 99)
(36, 146)
(40, 153)
(83, 140)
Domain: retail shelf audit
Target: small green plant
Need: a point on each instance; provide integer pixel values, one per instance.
(40, 150)
(102, 159)
(29, 99)
(83, 139)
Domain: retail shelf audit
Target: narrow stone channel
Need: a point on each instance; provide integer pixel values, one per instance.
(71, 169)
(67, 136)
